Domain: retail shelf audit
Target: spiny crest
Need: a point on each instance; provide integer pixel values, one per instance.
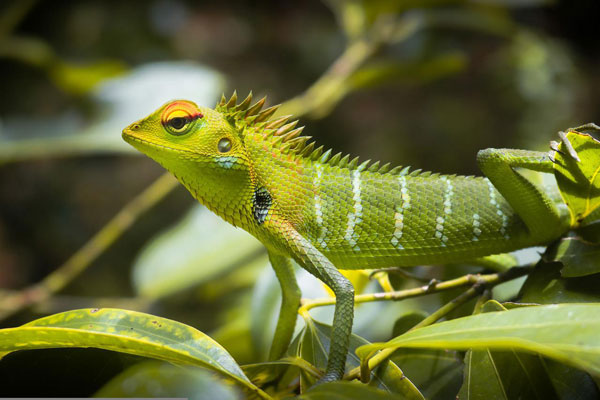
(283, 134)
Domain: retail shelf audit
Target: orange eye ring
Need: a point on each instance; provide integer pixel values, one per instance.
(178, 117)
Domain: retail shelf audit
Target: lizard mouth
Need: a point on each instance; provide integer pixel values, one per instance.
(129, 135)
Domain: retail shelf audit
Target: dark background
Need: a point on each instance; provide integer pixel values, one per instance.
(514, 91)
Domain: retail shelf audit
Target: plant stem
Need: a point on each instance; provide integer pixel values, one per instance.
(322, 96)
(113, 230)
(435, 287)
(479, 283)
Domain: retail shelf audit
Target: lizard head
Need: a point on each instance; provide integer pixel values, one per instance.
(198, 145)
(182, 131)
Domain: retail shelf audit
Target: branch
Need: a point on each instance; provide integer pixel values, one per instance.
(480, 283)
(433, 287)
(113, 230)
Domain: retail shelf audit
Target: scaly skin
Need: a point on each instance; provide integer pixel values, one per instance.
(328, 213)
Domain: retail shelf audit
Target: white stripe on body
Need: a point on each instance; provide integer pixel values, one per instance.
(439, 227)
(321, 240)
(494, 202)
(355, 217)
(399, 213)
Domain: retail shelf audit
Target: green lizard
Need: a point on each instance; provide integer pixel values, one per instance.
(329, 212)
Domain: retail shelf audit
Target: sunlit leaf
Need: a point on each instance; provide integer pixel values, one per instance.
(579, 181)
(127, 332)
(153, 379)
(314, 348)
(578, 257)
(565, 332)
(197, 249)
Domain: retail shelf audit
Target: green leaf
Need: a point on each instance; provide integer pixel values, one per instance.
(385, 73)
(346, 391)
(314, 348)
(579, 181)
(153, 379)
(266, 300)
(407, 321)
(565, 332)
(545, 285)
(284, 371)
(504, 374)
(518, 375)
(194, 251)
(570, 383)
(126, 332)
(578, 257)
(437, 373)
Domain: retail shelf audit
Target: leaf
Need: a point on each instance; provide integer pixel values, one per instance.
(385, 73)
(266, 300)
(579, 182)
(437, 373)
(578, 257)
(565, 332)
(570, 383)
(345, 391)
(195, 250)
(126, 332)
(407, 321)
(511, 375)
(504, 374)
(267, 372)
(153, 379)
(545, 285)
(314, 348)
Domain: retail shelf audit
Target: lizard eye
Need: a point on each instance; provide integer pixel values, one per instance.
(178, 118)
(224, 145)
(178, 123)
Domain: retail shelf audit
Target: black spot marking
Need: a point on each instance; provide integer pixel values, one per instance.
(94, 310)
(261, 203)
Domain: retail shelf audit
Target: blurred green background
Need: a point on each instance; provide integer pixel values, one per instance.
(455, 77)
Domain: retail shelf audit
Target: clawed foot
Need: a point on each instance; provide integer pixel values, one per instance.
(591, 129)
(567, 145)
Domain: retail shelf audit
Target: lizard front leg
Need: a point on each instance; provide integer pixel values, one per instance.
(537, 210)
(290, 301)
(311, 259)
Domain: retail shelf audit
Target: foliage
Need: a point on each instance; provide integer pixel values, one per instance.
(528, 332)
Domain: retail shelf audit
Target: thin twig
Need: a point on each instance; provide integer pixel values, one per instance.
(479, 285)
(466, 280)
(113, 230)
